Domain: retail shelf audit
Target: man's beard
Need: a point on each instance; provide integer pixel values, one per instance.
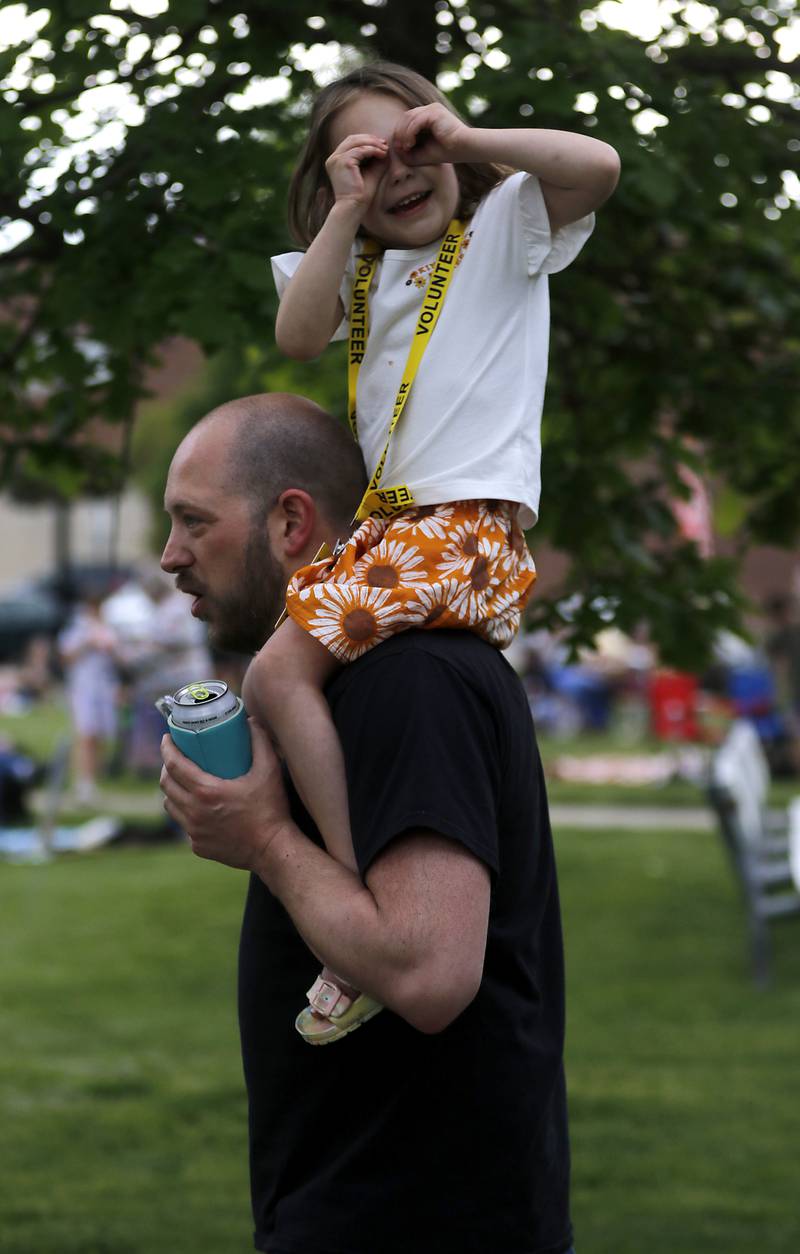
(243, 620)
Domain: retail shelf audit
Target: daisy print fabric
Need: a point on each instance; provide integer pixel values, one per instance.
(464, 564)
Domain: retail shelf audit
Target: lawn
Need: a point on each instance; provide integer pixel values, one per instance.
(682, 1075)
(121, 1099)
(120, 1086)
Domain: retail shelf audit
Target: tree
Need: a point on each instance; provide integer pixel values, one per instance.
(679, 320)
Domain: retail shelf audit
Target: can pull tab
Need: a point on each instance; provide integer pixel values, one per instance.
(165, 705)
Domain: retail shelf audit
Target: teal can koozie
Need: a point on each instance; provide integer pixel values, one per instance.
(208, 723)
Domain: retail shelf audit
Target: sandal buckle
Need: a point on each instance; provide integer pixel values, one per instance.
(323, 996)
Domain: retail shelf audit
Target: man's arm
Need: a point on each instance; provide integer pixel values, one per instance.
(413, 936)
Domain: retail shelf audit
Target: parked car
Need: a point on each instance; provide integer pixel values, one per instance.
(41, 606)
(27, 611)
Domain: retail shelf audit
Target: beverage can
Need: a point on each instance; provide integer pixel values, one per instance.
(208, 723)
(200, 704)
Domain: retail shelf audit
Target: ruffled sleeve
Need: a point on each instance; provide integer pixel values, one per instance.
(547, 253)
(284, 266)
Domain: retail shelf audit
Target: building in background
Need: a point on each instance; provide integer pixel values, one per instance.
(101, 531)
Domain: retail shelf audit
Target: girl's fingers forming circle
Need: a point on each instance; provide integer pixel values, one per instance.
(353, 142)
(347, 164)
(353, 158)
(410, 125)
(352, 172)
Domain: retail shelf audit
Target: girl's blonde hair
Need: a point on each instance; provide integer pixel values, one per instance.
(310, 193)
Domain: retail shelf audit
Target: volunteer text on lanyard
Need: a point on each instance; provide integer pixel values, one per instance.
(380, 502)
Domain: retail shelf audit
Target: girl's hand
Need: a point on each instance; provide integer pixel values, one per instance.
(430, 135)
(354, 169)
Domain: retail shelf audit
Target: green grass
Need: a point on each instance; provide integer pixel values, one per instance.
(682, 1075)
(121, 1099)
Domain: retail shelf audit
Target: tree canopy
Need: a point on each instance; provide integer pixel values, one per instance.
(145, 149)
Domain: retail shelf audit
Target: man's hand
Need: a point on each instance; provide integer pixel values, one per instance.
(413, 937)
(232, 821)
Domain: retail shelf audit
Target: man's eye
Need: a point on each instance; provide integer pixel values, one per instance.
(366, 163)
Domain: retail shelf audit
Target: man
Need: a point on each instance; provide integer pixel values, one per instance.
(440, 1126)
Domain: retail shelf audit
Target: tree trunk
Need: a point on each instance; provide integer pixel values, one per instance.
(407, 35)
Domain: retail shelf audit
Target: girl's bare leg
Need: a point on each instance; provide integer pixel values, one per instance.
(284, 689)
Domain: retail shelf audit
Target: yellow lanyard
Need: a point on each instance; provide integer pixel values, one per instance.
(380, 502)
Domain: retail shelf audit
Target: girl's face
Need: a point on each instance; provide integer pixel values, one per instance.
(413, 204)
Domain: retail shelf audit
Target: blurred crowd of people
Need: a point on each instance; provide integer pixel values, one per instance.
(620, 684)
(117, 653)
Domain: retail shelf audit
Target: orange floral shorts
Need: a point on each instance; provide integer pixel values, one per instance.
(464, 565)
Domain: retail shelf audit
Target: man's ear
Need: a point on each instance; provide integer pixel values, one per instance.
(292, 523)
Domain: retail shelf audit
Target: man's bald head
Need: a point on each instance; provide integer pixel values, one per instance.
(274, 441)
(252, 491)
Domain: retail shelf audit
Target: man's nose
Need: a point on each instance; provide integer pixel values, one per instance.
(175, 556)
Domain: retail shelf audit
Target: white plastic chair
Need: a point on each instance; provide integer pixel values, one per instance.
(764, 848)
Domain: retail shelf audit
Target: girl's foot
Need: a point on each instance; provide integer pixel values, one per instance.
(335, 1008)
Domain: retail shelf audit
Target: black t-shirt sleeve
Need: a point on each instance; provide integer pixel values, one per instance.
(421, 751)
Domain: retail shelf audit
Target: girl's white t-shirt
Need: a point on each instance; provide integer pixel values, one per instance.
(470, 429)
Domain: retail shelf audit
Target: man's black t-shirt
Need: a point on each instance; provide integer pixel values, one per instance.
(391, 1141)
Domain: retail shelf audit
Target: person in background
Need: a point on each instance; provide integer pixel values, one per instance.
(161, 647)
(88, 650)
(171, 651)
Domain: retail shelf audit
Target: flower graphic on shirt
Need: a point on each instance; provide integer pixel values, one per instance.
(430, 521)
(352, 618)
(419, 277)
(391, 564)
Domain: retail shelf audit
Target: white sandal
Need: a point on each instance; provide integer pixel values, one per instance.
(332, 1013)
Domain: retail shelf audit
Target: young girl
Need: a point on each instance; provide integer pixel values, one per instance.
(421, 230)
